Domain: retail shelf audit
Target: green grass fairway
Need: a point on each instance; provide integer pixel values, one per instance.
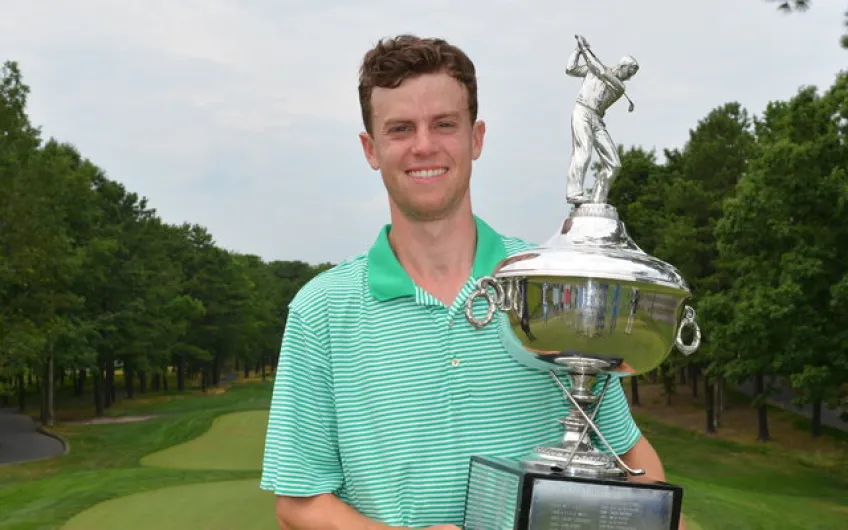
(201, 457)
(211, 506)
(235, 441)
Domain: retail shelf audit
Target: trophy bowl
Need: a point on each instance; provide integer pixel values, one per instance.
(590, 297)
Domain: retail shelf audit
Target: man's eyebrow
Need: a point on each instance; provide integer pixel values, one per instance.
(452, 114)
(435, 117)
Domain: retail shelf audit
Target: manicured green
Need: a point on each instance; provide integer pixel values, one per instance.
(221, 505)
(104, 462)
(102, 485)
(235, 441)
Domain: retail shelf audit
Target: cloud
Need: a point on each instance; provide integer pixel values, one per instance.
(243, 115)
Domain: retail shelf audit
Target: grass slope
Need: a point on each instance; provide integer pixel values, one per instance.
(235, 441)
(736, 486)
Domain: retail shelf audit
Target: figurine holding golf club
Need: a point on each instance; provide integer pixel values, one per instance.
(602, 87)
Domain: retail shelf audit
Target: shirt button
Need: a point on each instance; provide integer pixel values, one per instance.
(454, 362)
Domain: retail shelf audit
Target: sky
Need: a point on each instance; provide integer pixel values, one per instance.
(242, 115)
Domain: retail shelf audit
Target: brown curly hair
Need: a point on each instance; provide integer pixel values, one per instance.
(395, 59)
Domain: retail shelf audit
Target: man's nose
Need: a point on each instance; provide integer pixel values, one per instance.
(424, 141)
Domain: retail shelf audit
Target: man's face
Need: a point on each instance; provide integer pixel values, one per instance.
(626, 70)
(423, 143)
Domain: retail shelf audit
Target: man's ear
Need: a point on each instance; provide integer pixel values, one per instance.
(369, 150)
(478, 133)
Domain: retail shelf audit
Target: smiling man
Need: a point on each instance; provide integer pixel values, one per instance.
(384, 390)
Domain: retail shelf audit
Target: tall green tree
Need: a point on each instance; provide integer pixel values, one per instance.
(784, 239)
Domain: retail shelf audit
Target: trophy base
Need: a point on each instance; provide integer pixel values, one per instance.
(506, 494)
(591, 464)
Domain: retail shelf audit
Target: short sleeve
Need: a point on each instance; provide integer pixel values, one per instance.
(301, 443)
(615, 420)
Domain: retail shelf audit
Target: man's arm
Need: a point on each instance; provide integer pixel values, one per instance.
(322, 512)
(301, 463)
(327, 512)
(573, 67)
(599, 69)
(643, 456)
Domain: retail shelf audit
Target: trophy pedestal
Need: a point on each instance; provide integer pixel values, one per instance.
(507, 494)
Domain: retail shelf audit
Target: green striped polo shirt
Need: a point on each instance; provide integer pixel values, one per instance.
(382, 393)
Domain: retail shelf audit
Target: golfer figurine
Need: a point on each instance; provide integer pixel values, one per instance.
(601, 88)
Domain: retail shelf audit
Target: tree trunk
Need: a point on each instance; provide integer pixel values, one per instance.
(129, 386)
(142, 382)
(682, 372)
(49, 413)
(262, 365)
(246, 370)
(709, 401)
(817, 419)
(181, 373)
(98, 391)
(79, 382)
(165, 379)
(216, 371)
(667, 380)
(762, 410)
(203, 372)
(42, 395)
(634, 392)
(21, 393)
(110, 382)
(694, 375)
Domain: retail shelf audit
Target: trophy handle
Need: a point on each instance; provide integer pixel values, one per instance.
(688, 320)
(502, 300)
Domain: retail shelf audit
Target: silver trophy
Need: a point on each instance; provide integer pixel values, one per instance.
(589, 306)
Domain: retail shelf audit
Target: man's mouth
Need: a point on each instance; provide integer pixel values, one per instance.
(427, 173)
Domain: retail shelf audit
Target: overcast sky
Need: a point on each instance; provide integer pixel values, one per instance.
(242, 115)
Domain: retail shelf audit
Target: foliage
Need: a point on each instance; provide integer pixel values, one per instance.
(790, 6)
(752, 210)
(92, 281)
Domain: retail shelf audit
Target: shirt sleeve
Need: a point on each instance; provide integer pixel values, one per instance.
(301, 445)
(614, 419)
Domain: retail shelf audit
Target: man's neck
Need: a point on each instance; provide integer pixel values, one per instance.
(437, 255)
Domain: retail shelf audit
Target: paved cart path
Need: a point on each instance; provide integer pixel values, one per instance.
(21, 442)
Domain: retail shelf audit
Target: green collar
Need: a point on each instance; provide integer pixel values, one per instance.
(387, 278)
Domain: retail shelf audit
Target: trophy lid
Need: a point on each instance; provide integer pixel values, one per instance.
(593, 243)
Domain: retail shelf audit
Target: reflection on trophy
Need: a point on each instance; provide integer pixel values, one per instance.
(563, 301)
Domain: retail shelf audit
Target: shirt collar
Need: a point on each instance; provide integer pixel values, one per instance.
(387, 279)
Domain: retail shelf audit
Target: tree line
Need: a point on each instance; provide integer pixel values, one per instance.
(754, 212)
(92, 281)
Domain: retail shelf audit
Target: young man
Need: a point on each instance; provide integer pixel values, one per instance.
(384, 390)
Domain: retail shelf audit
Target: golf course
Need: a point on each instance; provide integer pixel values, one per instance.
(192, 461)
